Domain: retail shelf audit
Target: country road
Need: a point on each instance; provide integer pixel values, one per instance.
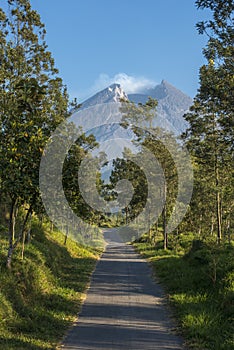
(124, 308)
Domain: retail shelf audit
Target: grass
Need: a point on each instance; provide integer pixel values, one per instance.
(200, 287)
(41, 296)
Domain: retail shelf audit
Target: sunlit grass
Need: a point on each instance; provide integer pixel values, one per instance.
(42, 294)
(200, 288)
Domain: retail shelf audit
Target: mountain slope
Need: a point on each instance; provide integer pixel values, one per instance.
(172, 105)
(113, 93)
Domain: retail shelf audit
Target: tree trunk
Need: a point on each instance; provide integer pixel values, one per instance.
(150, 230)
(126, 215)
(218, 213)
(66, 235)
(228, 231)
(200, 226)
(218, 203)
(156, 232)
(23, 231)
(212, 226)
(12, 242)
(164, 217)
(11, 232)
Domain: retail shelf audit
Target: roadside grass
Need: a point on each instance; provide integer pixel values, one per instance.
(42, 294)
(200, 287)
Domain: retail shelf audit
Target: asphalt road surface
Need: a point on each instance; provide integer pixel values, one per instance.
(124, 308)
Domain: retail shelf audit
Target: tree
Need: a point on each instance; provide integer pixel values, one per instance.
(158, 142)
(124, 168)
(71, 169)
(33, 101)
(211, 118)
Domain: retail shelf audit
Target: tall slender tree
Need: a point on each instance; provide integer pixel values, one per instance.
(211, 119)
(33, 101)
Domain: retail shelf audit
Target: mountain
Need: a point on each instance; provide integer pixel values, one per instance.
(172, 105)
(113, 93)
(112, 137)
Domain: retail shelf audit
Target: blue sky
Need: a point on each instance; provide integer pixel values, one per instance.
(137, 42)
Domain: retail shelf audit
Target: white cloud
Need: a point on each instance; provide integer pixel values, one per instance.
(130, 84)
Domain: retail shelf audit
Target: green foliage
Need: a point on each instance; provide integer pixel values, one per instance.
(123, 168)
(33, 101)
(42, 294)
(89, 184)
(158, 141)
(210, 137)
(200, 287)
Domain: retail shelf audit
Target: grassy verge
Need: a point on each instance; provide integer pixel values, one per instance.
(42, 294)
(200, 287)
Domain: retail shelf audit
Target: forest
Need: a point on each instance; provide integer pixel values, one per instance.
(44, 272)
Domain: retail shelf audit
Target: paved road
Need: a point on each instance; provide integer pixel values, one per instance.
(124, 308)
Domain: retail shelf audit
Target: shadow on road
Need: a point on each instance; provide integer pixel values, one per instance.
(124, 308)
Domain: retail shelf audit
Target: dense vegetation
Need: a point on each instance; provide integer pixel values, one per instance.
(43, 272)
(195, 262)
(209, 139)
(33, 102)
(42, 294)
(198, 278)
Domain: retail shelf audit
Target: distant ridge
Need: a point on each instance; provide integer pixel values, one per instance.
(113, 93)
(172, 105)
